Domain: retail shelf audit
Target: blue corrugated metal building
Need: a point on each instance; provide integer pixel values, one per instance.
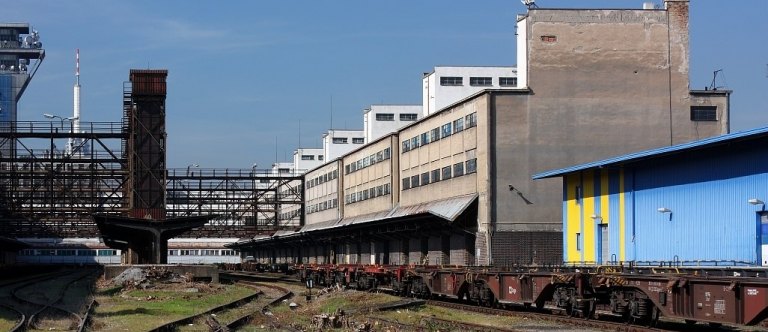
(699, 203)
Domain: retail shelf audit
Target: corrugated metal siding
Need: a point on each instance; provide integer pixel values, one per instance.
(710, 218)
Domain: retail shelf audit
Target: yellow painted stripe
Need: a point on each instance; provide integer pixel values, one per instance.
(605, 207)
(622, 218)
(589, 210)
(573, 220)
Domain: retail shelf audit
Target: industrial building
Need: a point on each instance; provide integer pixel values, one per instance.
(21, 54)
(590, 84)
(446, 85)
(379, 120)
(670, 205)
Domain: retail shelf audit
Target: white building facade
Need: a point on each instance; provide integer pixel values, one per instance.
(338, 142)
(380, 120)
(305, 159)
(446, 85)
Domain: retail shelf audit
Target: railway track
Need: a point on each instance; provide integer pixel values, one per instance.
(235, 314)
(39, 301)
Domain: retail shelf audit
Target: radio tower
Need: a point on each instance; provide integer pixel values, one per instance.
(73, 142)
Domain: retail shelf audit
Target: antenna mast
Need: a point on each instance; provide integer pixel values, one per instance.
(76, 104)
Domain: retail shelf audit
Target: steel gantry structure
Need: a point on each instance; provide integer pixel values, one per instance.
(57, 177)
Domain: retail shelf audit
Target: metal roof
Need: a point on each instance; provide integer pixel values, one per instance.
(659, 152)
(448, 209)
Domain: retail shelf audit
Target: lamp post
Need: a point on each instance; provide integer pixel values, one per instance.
(52, 116)
(191, 165)
(61, 119)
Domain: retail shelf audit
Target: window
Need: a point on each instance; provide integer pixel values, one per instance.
(385, 117)
(424, 138)
(446, 130)
(480, 81)
(386, 189)
(549, 39)
(339, 140)
(434, 135)
(319, 157)
(578, 241)
(471, 120)
(415, 142)
(458, 169)
(471, 166)
(446, 172)
(451, 81)
(458, 125)
(386, 153)
(358, 140)
(508, 81)
(406, 183)
(577, 194)
(414, 181)
(346, 169)
(424, 178)
(436, 175)
(703, 113)
(307, 157)
(406, 145)
(408, 117)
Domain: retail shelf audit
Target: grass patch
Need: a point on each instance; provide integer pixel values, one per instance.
(137, 310)
(8, 319)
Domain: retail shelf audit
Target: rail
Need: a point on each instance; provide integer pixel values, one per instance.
(48, 127)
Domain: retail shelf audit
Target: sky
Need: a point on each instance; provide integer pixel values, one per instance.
(250, 81)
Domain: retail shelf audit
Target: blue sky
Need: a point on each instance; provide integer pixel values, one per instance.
(242, 74)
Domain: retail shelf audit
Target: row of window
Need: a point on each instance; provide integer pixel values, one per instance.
(443, 131)
(368, 161)
(290, 215)
(203, 252)
(322, 206)
(68, 252)
(391, 117)
(367, 194)
(477, 81)
(440, 174)
(311, 157)
(323, 178)
(344, 140)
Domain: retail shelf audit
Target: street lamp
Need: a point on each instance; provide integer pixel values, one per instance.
(51, 116)
(191, 165)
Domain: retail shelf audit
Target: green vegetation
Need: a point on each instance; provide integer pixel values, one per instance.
(8, 319)
(138, 310)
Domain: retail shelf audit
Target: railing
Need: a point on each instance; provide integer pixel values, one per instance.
(44, 127)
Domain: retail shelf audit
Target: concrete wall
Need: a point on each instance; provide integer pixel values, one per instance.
(323, 191)
(436, 96)
(333, 150)
(375, 129)
(367, 175)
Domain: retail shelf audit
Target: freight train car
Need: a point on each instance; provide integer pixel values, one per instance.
(735, 296)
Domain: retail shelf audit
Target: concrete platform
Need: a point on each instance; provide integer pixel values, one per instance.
(198, 272)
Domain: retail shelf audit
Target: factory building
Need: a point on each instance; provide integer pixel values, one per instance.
(307, 158)
(697, 203)
(379, 120)
(446, 85)
(337, 142)
(589, 84)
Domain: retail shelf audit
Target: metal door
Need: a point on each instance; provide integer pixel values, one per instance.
(605, 248)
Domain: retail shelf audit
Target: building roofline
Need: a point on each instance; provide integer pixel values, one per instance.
(659, 152)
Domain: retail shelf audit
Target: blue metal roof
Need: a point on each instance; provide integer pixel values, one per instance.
(659, 152)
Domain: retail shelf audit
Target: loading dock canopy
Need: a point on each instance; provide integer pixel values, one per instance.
(439, 215)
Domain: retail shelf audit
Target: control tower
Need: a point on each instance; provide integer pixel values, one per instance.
(21, 54)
